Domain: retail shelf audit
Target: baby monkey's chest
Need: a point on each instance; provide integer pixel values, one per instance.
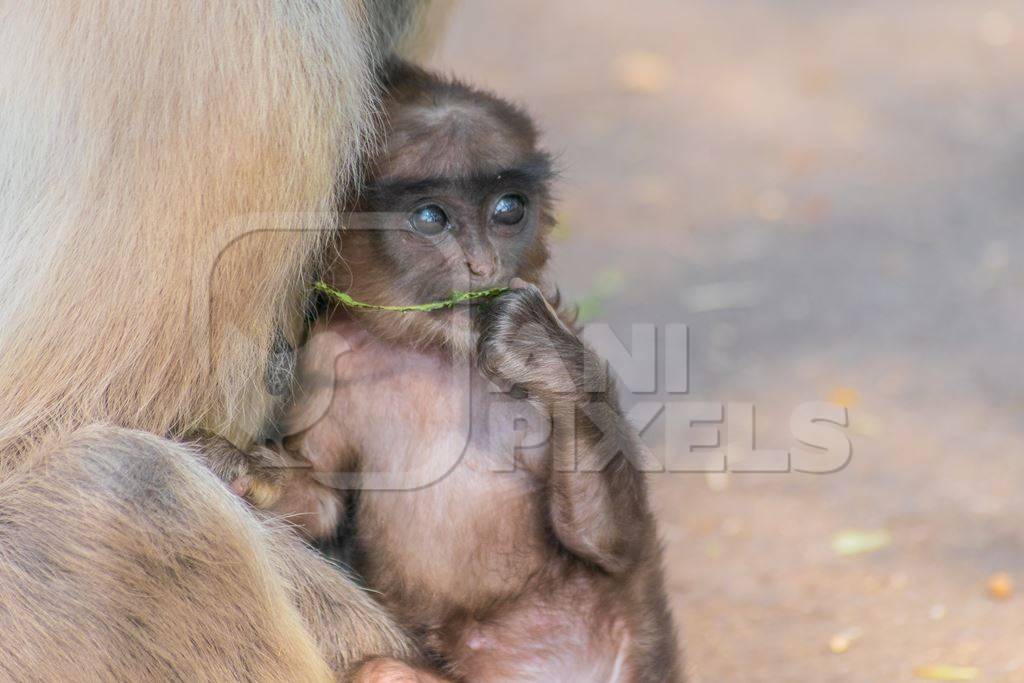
(464, 516)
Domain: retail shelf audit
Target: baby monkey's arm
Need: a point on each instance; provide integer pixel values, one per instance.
(597, 500)
(283, 480)
(298, 477)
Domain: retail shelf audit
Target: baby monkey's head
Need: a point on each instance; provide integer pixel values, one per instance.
(458, 199)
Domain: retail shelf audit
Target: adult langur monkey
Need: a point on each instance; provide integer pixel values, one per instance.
(166, 169)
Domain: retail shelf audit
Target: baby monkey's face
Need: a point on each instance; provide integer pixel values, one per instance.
(420, 239)
(457, 233)
(459, 200)
(488, 237)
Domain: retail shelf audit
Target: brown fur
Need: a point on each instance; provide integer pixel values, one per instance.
(510, 563)
(441, 130)
(166, 170)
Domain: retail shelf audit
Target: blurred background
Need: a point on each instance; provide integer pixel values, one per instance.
(830, 195)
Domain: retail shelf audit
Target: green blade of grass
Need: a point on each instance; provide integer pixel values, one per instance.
(455, 299)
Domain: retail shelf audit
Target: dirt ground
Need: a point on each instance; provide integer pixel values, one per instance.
(829, 195)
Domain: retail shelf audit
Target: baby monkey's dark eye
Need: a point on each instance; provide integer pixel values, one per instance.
(429, 220)
(509, 210)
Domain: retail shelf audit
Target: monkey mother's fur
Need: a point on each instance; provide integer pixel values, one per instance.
(166, 170)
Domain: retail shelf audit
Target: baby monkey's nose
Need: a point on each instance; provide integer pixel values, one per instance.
(482, 267)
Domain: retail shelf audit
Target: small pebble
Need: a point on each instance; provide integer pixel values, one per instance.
(642, 72)
(844, 396)
(856, 542)
(840, 642)
(945, 672)
(1000, 586)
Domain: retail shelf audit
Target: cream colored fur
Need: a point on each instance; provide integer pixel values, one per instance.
(167, 170)
(143, 145)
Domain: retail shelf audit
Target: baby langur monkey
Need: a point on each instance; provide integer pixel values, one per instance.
(511, 561)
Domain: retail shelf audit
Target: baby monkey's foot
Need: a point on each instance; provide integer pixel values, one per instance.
(523, 341)
(259, 475)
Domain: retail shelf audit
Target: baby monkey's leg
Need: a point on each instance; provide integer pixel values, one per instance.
(598, 501)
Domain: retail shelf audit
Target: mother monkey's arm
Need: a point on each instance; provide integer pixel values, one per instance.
(165, 173)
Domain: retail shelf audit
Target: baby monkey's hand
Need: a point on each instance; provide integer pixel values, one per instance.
(259, 475)
(596, 494)
(524, 342)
